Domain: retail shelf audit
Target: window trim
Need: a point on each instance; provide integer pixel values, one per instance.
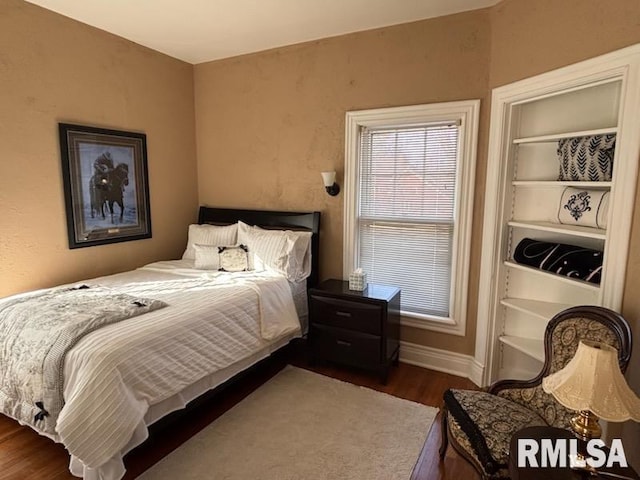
(465, 112)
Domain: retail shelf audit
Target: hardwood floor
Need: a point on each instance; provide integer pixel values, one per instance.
(26, 455)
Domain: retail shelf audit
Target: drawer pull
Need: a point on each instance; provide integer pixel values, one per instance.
(343, 314)
(343, 343)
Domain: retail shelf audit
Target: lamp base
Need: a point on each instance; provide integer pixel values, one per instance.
(585, 426)
(579, 463)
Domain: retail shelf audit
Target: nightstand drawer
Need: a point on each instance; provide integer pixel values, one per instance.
(361, 317)
(346, 346)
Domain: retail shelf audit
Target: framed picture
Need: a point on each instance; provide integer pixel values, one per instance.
(106, 186)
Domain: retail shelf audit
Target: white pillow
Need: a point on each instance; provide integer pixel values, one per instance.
(299, 260)
(284, 251)
(209, 235)
(268, 248)
(207, 257)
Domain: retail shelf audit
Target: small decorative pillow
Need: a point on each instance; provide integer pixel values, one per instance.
(233, 259)
(587, 208)
(586, 159)
(209, 235)
(207, 257)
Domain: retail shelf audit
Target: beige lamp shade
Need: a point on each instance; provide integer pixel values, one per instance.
(592, 381)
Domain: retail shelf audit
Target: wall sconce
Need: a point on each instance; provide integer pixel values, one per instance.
(330, 185)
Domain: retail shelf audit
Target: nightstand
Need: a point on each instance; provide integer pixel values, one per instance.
(359, 329)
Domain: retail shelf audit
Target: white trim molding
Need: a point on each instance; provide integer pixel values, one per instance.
(442, 361)
(466, 114)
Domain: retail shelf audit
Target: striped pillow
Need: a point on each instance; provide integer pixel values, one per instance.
(284, 251)
(267, 248)
(299, 259)
(207, 257)
(209, 235)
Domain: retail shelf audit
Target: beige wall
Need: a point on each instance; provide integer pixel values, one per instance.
(54, 69)
(534, 36)
(269, 123)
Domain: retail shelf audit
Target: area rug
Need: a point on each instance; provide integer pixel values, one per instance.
(302, 425)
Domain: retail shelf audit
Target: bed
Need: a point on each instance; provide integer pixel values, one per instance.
(199, 328)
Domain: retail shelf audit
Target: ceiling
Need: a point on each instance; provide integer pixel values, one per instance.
(198, 31)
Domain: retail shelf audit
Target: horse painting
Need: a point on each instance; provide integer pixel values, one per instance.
(98, 186)
(99, 183)
(118, 179)
(106, 186)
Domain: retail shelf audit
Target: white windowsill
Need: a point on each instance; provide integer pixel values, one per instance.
(428, 322)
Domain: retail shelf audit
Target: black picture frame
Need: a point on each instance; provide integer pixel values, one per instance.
(106, 185)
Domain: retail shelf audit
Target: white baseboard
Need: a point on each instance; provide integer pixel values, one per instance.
(442, 361)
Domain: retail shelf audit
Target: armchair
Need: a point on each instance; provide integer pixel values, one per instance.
(479, 424)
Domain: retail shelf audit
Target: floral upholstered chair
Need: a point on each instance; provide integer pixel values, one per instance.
(479, 424)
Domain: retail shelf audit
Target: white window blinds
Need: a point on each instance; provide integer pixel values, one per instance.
(406, 214)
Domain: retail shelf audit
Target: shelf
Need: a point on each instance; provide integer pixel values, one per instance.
(558, 136)
(576, 231)
(558, 183)
(561, 278)
(537, 308)
(529, 346)
(513, 373)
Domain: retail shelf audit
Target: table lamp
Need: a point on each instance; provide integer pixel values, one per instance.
(593, 385)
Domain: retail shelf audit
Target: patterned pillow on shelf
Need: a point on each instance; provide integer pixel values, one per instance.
(567, 260)
(584, 207)
(586, 159)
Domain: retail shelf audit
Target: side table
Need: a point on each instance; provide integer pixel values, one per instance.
(355, 328)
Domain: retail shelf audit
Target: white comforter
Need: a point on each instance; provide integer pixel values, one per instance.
(115, 374)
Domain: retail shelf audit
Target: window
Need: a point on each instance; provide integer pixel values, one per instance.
(408, 203)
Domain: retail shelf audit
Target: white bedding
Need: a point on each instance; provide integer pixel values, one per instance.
(214, 321)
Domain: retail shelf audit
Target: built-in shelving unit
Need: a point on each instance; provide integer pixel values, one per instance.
(523, 200)
(531, 211)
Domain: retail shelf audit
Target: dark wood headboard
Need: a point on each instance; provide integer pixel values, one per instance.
(307, 221)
